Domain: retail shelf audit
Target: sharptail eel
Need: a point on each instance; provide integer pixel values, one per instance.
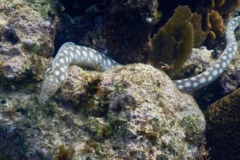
(71, 54)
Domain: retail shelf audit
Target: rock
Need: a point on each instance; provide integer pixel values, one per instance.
(77, 82)
(230, 81)
(16, 67)
(200, 60)
(143, 113)
(23, 33)
(222, 132)
(129, 112)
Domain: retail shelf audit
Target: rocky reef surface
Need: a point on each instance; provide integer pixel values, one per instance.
(125, 113)
(130, 112)
(140, 105)
(26, 37)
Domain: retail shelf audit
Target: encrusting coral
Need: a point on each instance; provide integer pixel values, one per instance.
(214, 12)
(174, 41)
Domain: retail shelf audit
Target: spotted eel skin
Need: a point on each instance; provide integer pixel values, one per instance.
(71, 54)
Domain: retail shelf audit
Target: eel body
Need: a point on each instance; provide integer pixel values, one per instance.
(71, 54)
(208, 76)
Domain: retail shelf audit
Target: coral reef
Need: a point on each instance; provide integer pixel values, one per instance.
(76, 86)
(223, 127)
(174, 41)
(32, 130)
(128, 112)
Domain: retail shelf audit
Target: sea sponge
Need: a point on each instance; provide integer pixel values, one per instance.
(174, 41)
(223, 127)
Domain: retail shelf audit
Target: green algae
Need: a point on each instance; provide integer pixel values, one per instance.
(32, 47)
(98, 129)
(46, 8)
(190, 123)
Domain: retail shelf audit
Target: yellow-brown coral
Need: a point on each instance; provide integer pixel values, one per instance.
(214, 26)
(225, 8)
(214, 12)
